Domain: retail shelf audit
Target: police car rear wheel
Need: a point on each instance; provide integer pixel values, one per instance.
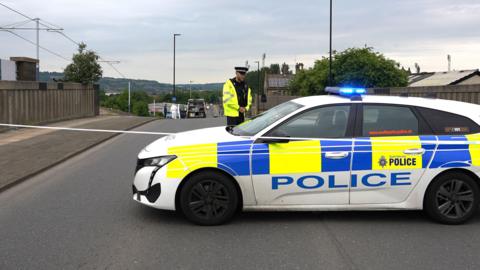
(452, 199)
(208, 198)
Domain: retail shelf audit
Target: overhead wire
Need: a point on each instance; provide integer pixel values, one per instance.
(41, 47)
(49, 25)
(16, 24)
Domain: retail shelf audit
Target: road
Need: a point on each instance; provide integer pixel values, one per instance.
(80, 215)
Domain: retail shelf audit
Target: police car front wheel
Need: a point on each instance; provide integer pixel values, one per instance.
(208, 198)
(452, 198)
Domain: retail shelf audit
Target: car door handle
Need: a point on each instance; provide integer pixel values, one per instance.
(336, 155)
(415, 151)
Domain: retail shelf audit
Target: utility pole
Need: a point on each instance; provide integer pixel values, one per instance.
(191, 89)
(14, 27)
(330, 58)
(154, 107)
(449, 59)
(128, 96)
(174, 98)
(258, 83)
(37, 21)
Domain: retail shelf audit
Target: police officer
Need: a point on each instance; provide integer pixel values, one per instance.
(237, 97)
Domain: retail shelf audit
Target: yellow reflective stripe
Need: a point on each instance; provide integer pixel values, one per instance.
(474, 148)
(191, 157)
(387, 154)
(295, 157)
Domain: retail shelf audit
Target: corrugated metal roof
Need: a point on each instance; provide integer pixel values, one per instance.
(439, 78)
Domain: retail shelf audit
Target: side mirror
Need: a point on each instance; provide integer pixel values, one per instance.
(281, 137)
(263, 98)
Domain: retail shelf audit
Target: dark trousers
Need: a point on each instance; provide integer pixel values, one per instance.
(233, 121)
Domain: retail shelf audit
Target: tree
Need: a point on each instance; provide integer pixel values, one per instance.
(140, 108)
(84, 67)
(274, 69)
(366, 68)
(307, 82)
(361, 67)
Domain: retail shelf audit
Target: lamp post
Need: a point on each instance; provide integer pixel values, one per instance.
(174, 98)
(129, 98)
(330, 58)
(258, 83)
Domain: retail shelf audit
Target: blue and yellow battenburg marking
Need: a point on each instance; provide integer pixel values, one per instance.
(474, 149)
(377, 153)
(452, 155)
(387, 153)
(232, 157)
(299, 157)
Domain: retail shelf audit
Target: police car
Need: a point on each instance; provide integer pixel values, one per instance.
(343, 151)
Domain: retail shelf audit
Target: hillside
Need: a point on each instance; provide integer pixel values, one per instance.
(109, 84)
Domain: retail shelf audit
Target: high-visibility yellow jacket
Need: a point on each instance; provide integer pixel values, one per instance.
(230, 100)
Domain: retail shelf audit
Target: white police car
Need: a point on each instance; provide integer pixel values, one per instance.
(331, 152)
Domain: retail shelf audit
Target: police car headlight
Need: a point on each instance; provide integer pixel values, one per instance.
(155, 161)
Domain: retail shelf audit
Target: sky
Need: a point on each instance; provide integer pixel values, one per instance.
(217, 35)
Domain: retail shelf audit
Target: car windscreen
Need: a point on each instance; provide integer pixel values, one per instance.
(265, 119)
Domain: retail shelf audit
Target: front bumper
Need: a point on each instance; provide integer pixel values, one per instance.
(154, 189)
(151, 194)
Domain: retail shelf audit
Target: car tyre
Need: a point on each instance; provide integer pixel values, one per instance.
(209, 198)
(452, 198)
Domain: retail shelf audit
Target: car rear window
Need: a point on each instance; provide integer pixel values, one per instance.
(387, 120)
(444, 123)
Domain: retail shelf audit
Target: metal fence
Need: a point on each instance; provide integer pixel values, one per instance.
(24, 102)
(465, 93)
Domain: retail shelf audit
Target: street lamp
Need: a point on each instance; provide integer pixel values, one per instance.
(258, 82)
(330, 59)
(174, 98)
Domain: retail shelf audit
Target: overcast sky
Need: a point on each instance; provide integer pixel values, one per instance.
(217, 35)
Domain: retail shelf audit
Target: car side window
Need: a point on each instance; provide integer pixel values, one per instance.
(322, 122)
(445, 123)
(387, 120)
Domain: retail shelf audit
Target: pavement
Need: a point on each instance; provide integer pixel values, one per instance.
(25, 152)
(80, 215)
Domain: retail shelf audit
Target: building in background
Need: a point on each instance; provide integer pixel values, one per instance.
(18, 69)
(277, 84)
(26, 68)
(458, 77)
(8, 70)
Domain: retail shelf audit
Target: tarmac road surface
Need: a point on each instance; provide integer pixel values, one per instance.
(80, 215)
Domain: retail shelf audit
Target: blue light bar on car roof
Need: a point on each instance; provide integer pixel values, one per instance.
(346, 91)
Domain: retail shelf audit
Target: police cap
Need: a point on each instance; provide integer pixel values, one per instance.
(241, 69)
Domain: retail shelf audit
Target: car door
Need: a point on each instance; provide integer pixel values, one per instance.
(390, 154)
(306, 159)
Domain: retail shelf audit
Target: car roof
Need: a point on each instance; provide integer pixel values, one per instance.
(462, 108)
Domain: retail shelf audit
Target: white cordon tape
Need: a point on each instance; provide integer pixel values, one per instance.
(460, 141)
(88, 130)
